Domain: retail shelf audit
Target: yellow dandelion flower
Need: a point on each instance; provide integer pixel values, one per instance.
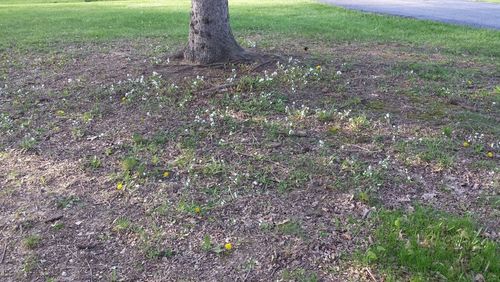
(318, 67)
(466, 144)
(228, 246)
(197, 210)
(119, 186)
(166, 174)
(490, 154)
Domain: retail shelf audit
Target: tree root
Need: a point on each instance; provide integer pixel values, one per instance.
(242, 57)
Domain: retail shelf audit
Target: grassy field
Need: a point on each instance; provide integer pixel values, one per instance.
(27, 24)
(364, 148)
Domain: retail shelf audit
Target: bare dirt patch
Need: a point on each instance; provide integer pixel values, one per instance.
(121, 164)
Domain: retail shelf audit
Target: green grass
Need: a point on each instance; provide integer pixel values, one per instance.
(432, 246)
(28, 24)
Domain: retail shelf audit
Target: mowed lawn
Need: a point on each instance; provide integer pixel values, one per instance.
(42, 23)
(361, 148)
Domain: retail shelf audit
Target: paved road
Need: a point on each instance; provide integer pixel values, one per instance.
(464, 12)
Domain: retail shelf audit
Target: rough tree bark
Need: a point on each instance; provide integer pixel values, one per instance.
(210, 36)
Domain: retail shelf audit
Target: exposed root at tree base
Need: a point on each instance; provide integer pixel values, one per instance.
(243, 57)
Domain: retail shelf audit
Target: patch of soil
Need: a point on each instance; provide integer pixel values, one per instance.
(128, 166)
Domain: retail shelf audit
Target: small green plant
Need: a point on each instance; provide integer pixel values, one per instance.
(247, 84)
(156, 253)
(88, 117)
(185, 159)
(6, 122)
(189, 207)
(326, 116)
(129, 164)
(94, 162)
(359, 123)
(292, 228)
(27, 224)
(447, 131)
(213, 167)
(31, 241)
(29, 264)
(478, 148)
(207, 245)
(364, 197)
(28, 143)
(78, 132)
(295, 179)
(139, 140)
(57, 226)
(162, 209)
(113, 277)
(334, 129)
(108, 151)
(122, 225)
(67, 202)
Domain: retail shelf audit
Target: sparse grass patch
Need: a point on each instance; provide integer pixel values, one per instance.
(477, 122)
(295, 179)
(93, 162)
(258, 104)
(155, 253)
(32, 241)
(129, 164)
(58, 226)
(122, 225)
(67, 202)
(28, 143)
(358, 123)
(291, 228)
(299, 275)
(431, 71)
(29, 264)
(437, 151)
(362, 178)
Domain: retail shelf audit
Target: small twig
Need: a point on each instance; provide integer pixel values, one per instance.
(274, 271)
(363, 148)
(246, 275)
(54, 218)
(90, 268)
(371, 275)
(3, 253)
(261, 65)
(263, 159)
(217, 88)
(190, 66)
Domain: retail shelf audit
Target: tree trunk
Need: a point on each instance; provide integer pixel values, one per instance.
(210, 36)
